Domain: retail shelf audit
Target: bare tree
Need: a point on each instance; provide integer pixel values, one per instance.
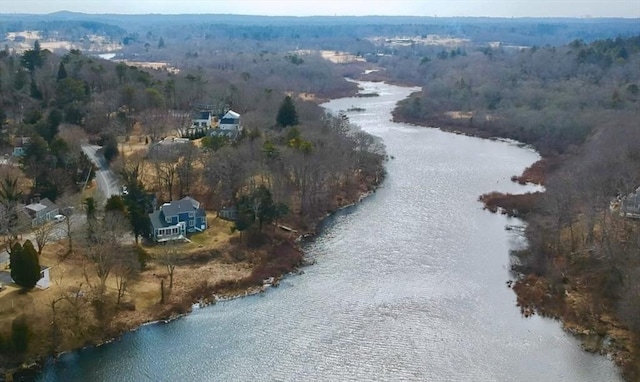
(44, 234)
(180, 120)
(10, 196)
(76, 304)
(155, 123)
(53, 304)
(69, 203)
(106, 250)
(186, 169)
(124, 271)
(73, 135)
(168, 258)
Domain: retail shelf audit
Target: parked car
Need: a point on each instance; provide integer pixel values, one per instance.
(59, 218)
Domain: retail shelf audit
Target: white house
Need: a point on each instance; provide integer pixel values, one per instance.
(230, 121)
(202, 120)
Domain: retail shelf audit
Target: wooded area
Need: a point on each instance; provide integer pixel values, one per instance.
(291, 164)
(578, 105)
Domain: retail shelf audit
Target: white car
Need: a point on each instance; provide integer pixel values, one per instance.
(59, 218)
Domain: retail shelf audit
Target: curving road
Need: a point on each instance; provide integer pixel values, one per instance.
(108, 183)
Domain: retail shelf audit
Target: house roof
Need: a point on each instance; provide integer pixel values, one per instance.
(231, 115)
(194, 203)
(157, 219)
(176, 207)
(36, 207)
(44, 205)
(186, 204)
(202, 115)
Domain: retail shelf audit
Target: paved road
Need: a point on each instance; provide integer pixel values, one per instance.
(108, 183)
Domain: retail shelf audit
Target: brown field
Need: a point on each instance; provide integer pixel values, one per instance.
(204, 262)
(340, 57)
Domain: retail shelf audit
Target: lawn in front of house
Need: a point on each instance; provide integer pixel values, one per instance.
(216, 236)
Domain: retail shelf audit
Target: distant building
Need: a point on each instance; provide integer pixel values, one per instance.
(41, 211)
(45, 280)
(174, 220)
(230, 121)
(630, 205)
(228, 213)
(19, 146)
(229, 126)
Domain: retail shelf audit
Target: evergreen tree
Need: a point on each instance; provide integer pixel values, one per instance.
(62, 72)
(139, 206)
(287, 114)
(25, 266)
(34, 91)
(33, 58)
(91, 208)
(115, 203)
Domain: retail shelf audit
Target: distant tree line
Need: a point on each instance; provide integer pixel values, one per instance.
(549, 97)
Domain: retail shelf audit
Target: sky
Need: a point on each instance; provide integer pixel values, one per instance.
(440, 8)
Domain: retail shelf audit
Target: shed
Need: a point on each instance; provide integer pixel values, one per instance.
(44, 281)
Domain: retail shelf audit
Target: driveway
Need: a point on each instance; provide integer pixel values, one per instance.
(108, 183)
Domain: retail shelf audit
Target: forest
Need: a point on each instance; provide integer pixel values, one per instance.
(292, 165)
(579, 106)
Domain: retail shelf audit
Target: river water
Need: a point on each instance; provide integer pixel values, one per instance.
(408, 286)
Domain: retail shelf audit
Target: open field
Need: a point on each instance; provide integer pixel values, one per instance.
(203, 262)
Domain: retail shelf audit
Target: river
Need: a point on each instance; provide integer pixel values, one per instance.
(408, 286)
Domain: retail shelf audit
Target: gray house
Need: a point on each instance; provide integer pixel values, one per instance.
(173, 221)
(41, 211)
(630, 205)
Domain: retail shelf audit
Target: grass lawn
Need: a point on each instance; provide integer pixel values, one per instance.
(216, 236)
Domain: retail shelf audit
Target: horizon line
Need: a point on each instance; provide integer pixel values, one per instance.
(584, 17)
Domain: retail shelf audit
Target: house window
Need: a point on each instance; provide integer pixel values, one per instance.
(190, 214)
(175, 230)
(168, 219)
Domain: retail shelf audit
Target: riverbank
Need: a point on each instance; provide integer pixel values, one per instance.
(567, 291)
(239, 270)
